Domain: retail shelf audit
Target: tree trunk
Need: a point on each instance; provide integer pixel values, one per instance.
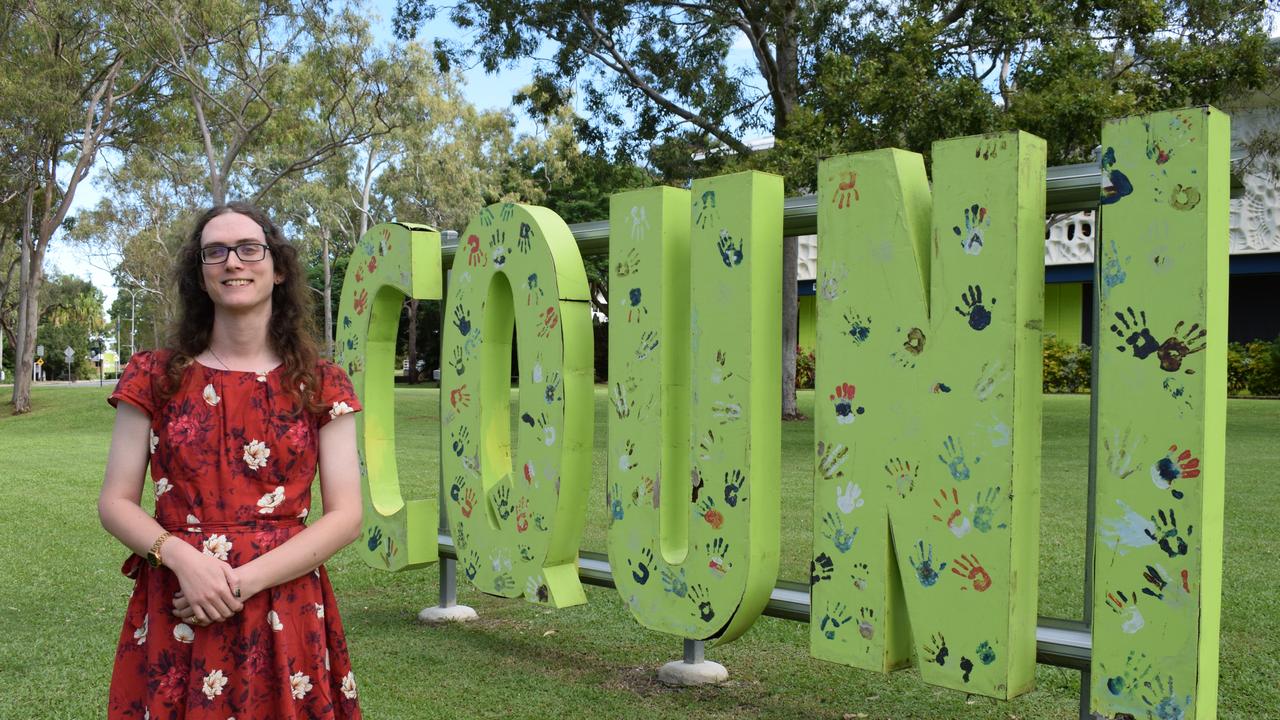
(790, 246)
(328, 297)
(413, 341)
(24, 351)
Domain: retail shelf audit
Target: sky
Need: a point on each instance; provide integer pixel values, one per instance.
(484, 91)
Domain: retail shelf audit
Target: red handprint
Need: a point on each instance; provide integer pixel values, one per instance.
(968, 567)
(468, 502)
(522, 515)
(373, 264)
(1172, 467)
(361, 300)
(459, 397)
(846, 193)
(475, 256)
(549, 321)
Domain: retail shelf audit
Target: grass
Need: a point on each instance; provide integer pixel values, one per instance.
(62, 598)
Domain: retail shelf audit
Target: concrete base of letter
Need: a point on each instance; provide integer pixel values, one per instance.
(453, 614)
(682, 674)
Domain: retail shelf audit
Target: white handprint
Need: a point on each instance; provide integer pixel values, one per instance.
(849, 498)
(639, 222)
(1131, 530)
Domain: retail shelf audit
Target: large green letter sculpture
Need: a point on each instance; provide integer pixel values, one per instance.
(517, 530)
(926, 487)
(393, 261)
(693, 499)
(1161, 415)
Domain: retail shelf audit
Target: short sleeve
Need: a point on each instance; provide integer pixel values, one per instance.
(136, 385)
(336, 392)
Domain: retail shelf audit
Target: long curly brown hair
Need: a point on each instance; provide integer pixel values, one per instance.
(291, 330)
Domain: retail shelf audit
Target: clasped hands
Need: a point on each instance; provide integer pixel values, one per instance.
(211, 590)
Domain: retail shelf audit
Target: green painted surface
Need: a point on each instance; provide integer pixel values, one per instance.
(517, 526)
(694, 437)
(1064, 311)
(392, 261)
(1161, 407)
(926, 485)
(807, 322)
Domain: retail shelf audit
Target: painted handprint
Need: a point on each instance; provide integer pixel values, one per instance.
(1172, 467)
(1184, 197)
(1166, 534)
(630, 263)
(486, 217)
(820, 568)
(475, 256)
(949, 513)
(830, 459)
(1181, 344)
(701, 599)
(641, 567)
(472, 566)
(717, 557)
(459, 397)
(925, 572)
(866, 623)
(625, 461)
(830, 286)
(503, 582)
(846, 193)
(969, 568)
(1120, 453)
(534, 292)
(986, 654)
(502, 502)
(976, 224)
(361, 300)
(835, 616)
(674, 582)
(458, 364)
(462, 320)
(508, 211)
(953, 457)
(902, 476)
(849, 497)
(536, 590)
(1126, 606)
(914, 344)
(707, 212)
(1163, 701)
(935, 651)
(975, 309)
(1115, 184)
(710, 513)
(549, 318)
(460, 437)
(730, 252)
(468, 503)
(989, 376)
(642, 490)
(375, 538)
(553, 394)
(733, 483)
(614, 501)
(859, 327)
(984, 509)
(842, 400)
(833, 530)
(639, 222)
(718, 372)
(618, 396)
(522, 515)
(1130, 530)
(648, 343)
(1158, 580)
(635, 306)
(861, 576)
(548, 430)
(525, 241)
(1133, 330)
(726, 412)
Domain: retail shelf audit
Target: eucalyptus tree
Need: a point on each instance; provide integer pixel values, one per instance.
(72, 91)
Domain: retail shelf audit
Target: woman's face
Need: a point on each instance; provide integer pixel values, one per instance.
(237, 284)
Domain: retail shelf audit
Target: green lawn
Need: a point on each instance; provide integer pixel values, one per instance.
(62, 598)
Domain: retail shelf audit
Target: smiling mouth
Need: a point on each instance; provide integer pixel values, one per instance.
(236, 282)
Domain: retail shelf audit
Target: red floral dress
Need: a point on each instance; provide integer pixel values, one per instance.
(232, 461)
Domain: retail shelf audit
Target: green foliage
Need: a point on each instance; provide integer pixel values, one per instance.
(1067, 366)
(1254, 368)
(806, 367)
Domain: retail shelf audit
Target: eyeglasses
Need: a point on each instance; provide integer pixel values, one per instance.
(247, 252)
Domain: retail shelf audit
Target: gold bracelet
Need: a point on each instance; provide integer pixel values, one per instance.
(153, 555)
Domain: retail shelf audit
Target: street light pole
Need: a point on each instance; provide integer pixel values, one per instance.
(133, 320)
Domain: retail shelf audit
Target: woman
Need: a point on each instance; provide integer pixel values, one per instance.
(232, 614)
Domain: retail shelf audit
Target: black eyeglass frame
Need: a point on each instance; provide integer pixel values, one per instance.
(266, 249)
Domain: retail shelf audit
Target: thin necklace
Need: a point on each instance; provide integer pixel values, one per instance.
(215, 357)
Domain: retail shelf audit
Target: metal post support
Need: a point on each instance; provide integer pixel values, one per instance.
(694, 651)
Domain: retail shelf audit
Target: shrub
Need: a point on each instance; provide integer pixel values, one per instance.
(806, 363)
(1067, 366)
(1254, 367)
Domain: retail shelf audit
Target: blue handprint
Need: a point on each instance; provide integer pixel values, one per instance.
(460, 438)
(975, 309)
(732, 484)
(924, 569)
(375, 538)
(462, 320)
(836, 533)
(455, 490)
(502, 501)
(473, 565)
(707, 212)
(615, 502)
(954, 459)
(984, 510)
(835, 616)
(730, 252)
(526, 238)
(641, 572)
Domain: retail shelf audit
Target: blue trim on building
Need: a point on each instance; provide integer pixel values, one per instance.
(1068, 273)
(1255, 264)
(806, 287)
